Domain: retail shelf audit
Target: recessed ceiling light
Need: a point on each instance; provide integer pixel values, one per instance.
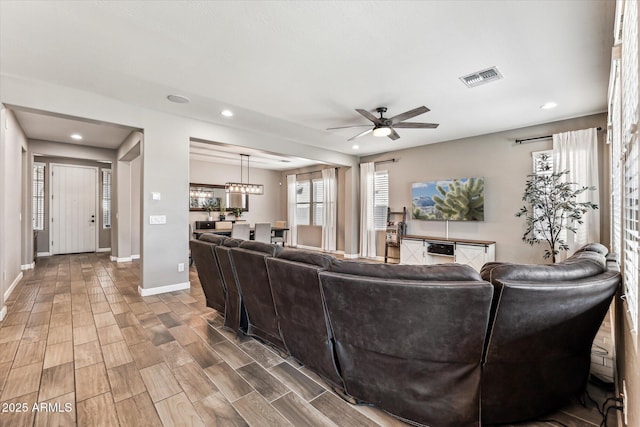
(76, 136)
(227, 113)
(178, 99)
(548, 105)
(355, 147)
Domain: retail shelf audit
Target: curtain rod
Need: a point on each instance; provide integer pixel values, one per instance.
(540, 138)
(385, 161)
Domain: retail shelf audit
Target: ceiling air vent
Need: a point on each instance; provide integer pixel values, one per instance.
(481, 77)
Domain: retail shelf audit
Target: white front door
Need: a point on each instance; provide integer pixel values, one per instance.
(74, 209)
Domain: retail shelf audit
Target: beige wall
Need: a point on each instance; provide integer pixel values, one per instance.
(12, 144)
(504, 166)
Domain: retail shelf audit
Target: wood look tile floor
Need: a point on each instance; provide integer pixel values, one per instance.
(86, 349)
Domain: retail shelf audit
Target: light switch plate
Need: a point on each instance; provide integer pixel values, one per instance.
(157, 219)
(156, 196)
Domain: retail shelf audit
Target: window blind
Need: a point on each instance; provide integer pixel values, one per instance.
(318, 198)
(380, 199)
(303, 202)
(629, 113)
(106, 198)
(38, 196)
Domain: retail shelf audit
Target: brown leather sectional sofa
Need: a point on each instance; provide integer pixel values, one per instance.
(437, 345)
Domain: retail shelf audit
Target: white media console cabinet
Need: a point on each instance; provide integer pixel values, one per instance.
(424, 250)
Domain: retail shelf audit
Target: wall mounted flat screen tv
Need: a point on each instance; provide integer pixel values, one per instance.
(459, 199)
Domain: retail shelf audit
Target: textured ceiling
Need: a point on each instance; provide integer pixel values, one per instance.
(293, 69)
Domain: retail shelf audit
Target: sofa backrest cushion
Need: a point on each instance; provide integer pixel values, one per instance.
(594, 247)
(216, 239)
(438, 272)
(232, 243)
(266, 248)
(307, 257)
(581, 265)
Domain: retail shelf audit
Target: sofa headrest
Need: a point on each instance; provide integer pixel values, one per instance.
(579, 266)
(594, 247)
(439, 272)
(216, 239)
(307, 257)
(232, 243)
(267, 248)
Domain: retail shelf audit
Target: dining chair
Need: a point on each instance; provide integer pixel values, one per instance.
(280, 238)
(240, 231)
(223, 225)
(262, 232)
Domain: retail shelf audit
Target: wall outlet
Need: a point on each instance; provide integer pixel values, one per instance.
(180, 267)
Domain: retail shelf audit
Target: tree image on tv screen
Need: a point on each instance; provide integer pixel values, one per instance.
(454, 200)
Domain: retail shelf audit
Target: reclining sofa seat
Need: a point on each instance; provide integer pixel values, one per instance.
(409, 339)
(203, 254)
(295, 286)
(255, 291)
(234, 316)
(545, 318)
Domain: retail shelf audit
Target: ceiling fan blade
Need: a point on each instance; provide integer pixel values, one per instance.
(393, 135)
(409, 114)
(360, 134)
(409, 125)
(345, 127)
(368, 115)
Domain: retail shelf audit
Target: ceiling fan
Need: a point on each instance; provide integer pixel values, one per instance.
(383, 126)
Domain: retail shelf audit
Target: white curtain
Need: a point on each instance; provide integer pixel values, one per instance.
(292, 234)
(329, 212)
(577, 152)
(367, 223)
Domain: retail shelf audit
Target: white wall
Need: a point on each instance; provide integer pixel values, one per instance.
(264, 208)
(504, 166)
(12, 143)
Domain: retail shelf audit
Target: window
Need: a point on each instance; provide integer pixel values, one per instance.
(303, 199)
(625, 160)
(38, 196)
(380, 199)
(631, 229)
(106, 198)
(309, 198)
(318, 198)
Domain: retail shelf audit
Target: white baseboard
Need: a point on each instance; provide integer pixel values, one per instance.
(123, 259)
(13, 286)
(163, 289)
(351, 256)
(3, 312)
(103, 250)
(28, 266)
(135, 256)
(43, 254)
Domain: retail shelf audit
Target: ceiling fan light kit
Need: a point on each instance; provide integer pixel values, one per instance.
(383, 126)
(382, 131)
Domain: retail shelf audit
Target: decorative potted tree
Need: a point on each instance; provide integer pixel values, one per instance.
(551, 207)
(209, 206)
(237, 212)
(223, 211)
